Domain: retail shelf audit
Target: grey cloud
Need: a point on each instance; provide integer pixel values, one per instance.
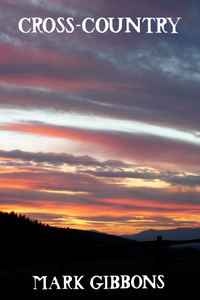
(59, 159)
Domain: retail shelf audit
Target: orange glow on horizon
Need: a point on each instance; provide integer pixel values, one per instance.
(78, 217)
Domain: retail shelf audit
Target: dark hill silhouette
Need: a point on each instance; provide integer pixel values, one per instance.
(21, 231)
(36, 243)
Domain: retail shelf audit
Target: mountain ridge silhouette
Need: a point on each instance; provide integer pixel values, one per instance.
(180, 233)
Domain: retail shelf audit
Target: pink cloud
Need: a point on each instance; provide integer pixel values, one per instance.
(140, 148)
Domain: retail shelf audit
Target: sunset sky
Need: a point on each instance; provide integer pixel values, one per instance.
(101, 131)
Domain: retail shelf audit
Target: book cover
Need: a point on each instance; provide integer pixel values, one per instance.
(99, 139)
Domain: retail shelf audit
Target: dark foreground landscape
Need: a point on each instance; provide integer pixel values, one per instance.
(29, 248)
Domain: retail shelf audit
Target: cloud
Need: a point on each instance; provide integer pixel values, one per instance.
(54, 159)
(103, 169)
(143, 180)
(149, 149)
(61, 158)
(143, 78)
(73, 197)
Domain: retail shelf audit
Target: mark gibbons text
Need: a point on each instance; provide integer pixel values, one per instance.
(106, 282)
